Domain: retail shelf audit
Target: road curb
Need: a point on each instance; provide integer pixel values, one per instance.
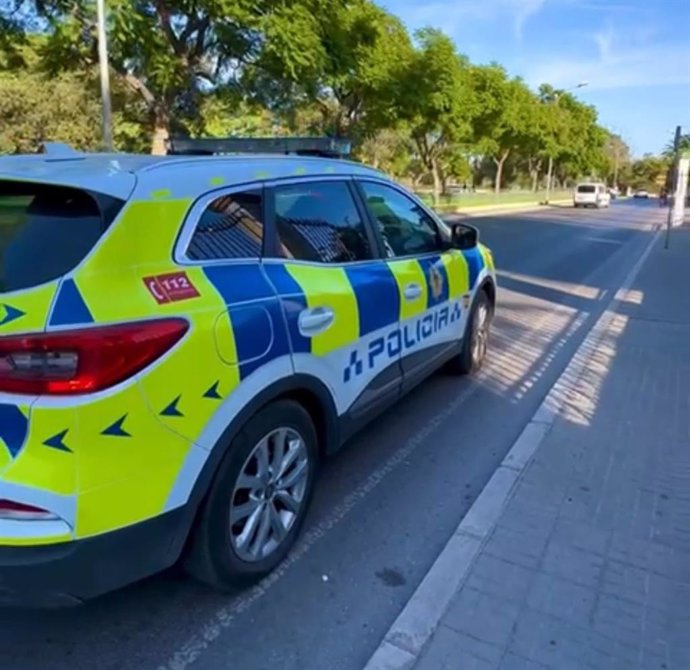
(406, 639)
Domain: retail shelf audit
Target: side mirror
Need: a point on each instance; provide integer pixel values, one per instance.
(464, 236)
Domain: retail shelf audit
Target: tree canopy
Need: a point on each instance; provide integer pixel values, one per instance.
(412, 104)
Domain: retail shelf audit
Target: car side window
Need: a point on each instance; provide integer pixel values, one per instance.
(319, 222)
(405, 227)
(231, 226)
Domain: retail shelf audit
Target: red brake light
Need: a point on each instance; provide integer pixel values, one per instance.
(85, 360)
(9, 509)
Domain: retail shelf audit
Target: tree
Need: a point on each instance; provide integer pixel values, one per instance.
(617, 154)
(683, 145)
(649, 172)
(504, 122)
(34, 110)
(388, 150)
(170, 54)
(436, 100)
(573, 139)
(360, 51)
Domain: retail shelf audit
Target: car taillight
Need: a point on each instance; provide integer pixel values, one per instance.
(9, 509)
(85, 360)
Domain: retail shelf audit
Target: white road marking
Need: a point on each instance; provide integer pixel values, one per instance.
(604, 240)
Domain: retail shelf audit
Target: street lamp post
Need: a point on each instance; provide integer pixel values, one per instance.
(549, 172)
(673, 174)
(106, 110)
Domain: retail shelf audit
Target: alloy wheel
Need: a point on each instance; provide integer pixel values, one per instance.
(269, 494)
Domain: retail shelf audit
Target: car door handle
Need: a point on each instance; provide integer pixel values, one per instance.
(314, 321)
(412, 291)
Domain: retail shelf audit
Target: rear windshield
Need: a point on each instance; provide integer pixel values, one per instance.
(586, 188)
(46, 231)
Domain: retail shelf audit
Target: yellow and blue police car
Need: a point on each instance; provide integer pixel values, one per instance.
(184, 337)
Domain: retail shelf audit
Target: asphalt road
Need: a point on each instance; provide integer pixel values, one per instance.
(387, 503)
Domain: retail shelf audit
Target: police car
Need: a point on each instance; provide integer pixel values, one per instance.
(183, 338)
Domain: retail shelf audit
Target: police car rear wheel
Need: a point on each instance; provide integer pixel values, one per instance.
(476, 343)
(259, 498)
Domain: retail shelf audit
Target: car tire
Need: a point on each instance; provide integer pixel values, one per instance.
(473, 352)
(225, 554)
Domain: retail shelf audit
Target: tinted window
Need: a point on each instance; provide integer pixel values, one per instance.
(319, 222)
(230, 227)
(46, 231)
(405, 227)
(586, 188)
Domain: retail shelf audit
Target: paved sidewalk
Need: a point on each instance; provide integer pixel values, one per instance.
(589, 563)
(576, 554)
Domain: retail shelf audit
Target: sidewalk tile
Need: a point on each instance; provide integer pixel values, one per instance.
(581, 567)
(562, 599)
(630, 623)
(450, 650)
(516, 546)
(515, 662)
(581, 535)
(545, 639)
(481, 616)
(496, 577)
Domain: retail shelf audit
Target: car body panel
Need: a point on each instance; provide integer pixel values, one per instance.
(128, 454)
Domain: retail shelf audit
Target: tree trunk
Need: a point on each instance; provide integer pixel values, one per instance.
(499, 171)
(161, 132)
(535, 179)
(444, 183)
(437, 181)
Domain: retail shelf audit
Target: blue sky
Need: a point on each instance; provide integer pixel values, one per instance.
(635, 56)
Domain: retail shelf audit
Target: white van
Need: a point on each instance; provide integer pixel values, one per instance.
(591, 194)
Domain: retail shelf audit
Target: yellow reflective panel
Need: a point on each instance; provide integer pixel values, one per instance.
(145, 232)
(145, 292)
(329, 287)
(487, 256)
(34, 541)
(458, 273)
(26, 311)
(5, 457)
(126, 502)
(121, 440)
(186, 388)
(407, 273)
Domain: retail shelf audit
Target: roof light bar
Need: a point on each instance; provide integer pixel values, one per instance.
(330, 147)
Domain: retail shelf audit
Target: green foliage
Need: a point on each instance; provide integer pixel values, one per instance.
(388, 150)
(683, 145)
(34, 110)
(414, 107)
(649, 172)
(436, 101)
(504, 123)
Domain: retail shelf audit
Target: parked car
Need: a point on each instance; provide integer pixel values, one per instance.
(183, 338)
(591, 194)
(641, 193)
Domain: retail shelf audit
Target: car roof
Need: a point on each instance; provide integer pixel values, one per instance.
(116, 174)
